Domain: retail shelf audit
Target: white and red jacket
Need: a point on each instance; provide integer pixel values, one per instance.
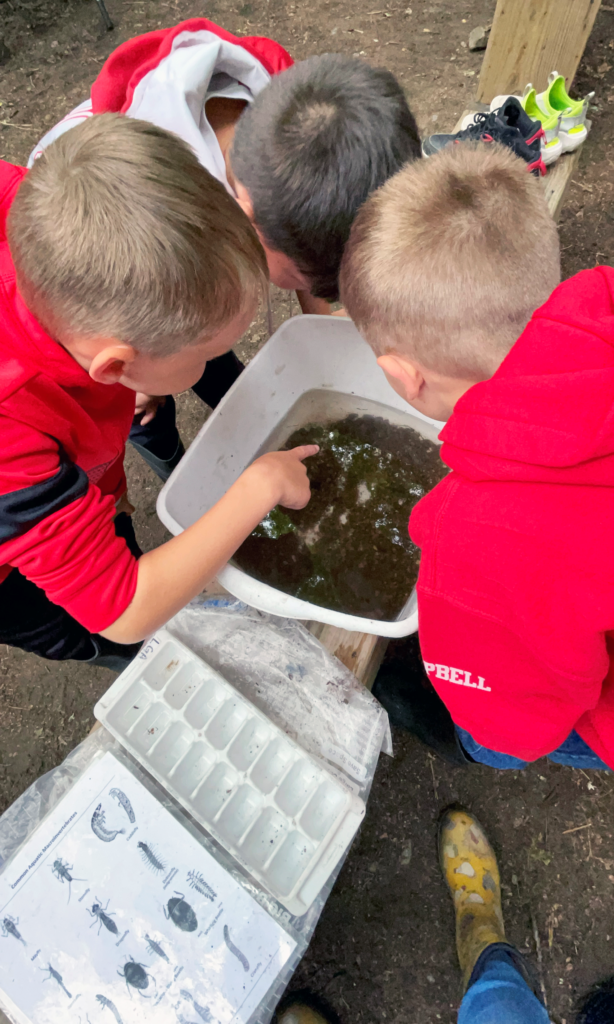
(516, 584)
(167, 76)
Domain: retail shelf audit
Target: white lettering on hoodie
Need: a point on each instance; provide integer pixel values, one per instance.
(456, 675)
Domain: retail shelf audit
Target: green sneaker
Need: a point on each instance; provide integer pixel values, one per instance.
(552, 144)
(555, 100)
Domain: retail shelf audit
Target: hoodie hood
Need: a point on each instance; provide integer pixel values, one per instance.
(167, 76)
(547, 414)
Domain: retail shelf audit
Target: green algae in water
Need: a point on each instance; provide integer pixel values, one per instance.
(349, 549)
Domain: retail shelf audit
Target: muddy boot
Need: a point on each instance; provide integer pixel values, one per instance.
(470, 868)
(305, 1007)
(298, 1013)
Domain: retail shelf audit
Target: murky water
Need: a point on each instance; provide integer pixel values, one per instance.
(349, 549)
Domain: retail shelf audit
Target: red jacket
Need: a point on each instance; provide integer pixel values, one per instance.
(61, 460)
(516, 585)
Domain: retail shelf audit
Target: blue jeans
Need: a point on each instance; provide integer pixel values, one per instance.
(573, 752)
(498, 993)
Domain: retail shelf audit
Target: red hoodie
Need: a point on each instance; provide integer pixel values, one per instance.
(516, 586)
(61, 460)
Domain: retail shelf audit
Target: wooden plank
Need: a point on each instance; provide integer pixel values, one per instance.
(557, 181)
(559, 174)
(362, 653)
(531, 38)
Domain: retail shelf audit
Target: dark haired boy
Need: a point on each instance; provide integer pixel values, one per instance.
(299, 146)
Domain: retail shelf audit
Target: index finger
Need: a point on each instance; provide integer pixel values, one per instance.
(303, 451)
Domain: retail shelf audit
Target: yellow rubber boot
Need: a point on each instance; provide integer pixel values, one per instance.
(299, 1013)
(470, 868)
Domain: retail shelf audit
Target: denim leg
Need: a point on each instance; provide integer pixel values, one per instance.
(485, 756)
(498, 993)
(576, 753)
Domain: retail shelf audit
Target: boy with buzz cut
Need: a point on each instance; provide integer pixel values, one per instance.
(448, 274)
(124, 267)
(299, 146)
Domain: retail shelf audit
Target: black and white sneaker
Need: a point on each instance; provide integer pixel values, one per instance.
(509, 125)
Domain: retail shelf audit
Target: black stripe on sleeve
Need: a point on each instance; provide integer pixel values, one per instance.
(23, 509)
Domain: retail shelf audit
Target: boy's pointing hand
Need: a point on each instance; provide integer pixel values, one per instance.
(286, 475)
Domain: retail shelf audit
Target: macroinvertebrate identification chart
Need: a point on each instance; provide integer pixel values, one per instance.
(112, 911)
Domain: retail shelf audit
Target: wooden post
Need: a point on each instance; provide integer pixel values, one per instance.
(362, 653)
(531, 38)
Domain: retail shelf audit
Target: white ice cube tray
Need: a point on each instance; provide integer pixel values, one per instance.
(264, 799)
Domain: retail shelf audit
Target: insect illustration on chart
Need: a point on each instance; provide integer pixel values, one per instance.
(151, 858)
(181, 914)
(196, 881)
(155, 947)
(99, 829)
(136, 976)
(56, 977)
(62, 871)
(9, 927)
(235, 951)
(203, 1011)
(108, 1005)
(99, 913)
(124, 803)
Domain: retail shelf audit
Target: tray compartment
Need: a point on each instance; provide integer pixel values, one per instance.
(323, 809)
(290, 862)
(171, 747)
(129, 709)
(193, 768)
(239, 814)
(264, 837)
(163, 666)
(297, 786)
(227, 722)
(215, 791)
(248, 744)
(150, 726)
(271, 765)
(183, 685)
(204, 704)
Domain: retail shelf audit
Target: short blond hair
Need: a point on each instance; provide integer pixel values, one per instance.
(449, 259)
(118, 231)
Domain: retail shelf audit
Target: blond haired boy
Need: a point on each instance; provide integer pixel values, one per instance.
(448, 274)
(124, 267)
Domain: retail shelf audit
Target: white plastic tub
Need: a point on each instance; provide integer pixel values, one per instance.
(306, 354)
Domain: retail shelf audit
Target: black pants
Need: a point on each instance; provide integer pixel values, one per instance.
(29, 620)
(160, 436)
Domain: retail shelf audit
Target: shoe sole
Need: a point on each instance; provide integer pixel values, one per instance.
(550, 154)
(571, 141)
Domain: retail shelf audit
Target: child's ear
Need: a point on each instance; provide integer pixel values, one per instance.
(404, 377)
(109, 365)
(244, 201)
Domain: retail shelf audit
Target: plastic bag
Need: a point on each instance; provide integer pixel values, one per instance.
(279, 666)
(287, 673)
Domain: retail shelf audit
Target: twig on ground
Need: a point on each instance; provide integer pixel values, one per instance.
(540, 959)
(576, 829)
(431, 759)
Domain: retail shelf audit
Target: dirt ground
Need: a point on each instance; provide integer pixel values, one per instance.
(383, 950)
